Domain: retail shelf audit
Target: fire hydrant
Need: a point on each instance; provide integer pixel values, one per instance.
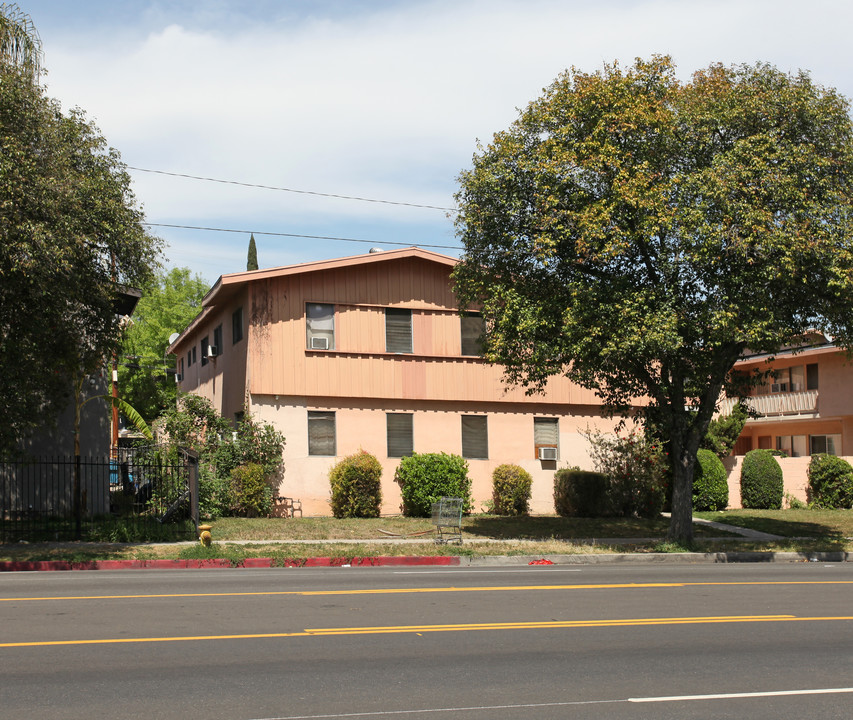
(204, 536)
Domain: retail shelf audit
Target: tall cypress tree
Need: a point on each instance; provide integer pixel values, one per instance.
(252, 261)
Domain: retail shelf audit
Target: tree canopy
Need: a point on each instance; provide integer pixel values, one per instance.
(167, 306)
(637, 233)
(71, 236)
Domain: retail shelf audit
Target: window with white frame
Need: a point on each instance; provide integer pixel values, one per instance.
(322, 438)
(400, 432)
(475, 437)
(320, 326)
(398, 330)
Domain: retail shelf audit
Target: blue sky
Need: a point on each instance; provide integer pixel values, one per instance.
(379, 99)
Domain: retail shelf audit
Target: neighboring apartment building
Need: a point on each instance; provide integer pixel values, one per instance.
(370, 352)
(804, 408)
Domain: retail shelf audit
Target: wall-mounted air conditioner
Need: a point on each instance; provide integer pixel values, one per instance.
(547, 453)
(319, 343)
(212, 351)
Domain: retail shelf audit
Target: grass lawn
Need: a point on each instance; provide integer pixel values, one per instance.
(239, 538)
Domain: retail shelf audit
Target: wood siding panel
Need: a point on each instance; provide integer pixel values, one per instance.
(358, 367)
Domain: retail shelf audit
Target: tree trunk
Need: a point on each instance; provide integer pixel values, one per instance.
(681, 520)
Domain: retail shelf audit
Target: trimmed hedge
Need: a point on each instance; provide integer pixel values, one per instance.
(511, 490)
(582, 493)
(710, 484)
(761, 481)
(425, 477)
(830, 481)
(356, 486)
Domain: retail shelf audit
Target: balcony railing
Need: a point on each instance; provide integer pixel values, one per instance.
(789, 403)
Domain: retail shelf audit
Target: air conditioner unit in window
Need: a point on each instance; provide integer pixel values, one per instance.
(547, 453)
(212, 351)
(319, 343)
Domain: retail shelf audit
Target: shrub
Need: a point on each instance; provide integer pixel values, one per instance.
(356, 486)
(710, 485)
(252, 493)
(761, 482)
(638, 473)
(582, 493)
(511, 489)
(830, 481)
(425, 477)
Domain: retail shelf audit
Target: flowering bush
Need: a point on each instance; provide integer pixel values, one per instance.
(637, 471)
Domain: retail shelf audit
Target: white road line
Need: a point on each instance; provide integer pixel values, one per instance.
(731, 696)
(533, 706)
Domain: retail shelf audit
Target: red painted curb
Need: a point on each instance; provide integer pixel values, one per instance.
(377, 561)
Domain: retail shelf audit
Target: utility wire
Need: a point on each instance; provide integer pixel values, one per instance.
(296, 235)
(291, 190)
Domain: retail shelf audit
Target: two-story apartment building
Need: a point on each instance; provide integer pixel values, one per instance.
(370, 352)
(804, 407)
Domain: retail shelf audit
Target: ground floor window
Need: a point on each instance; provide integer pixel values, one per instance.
(321, 433)
(830, 444)
(545, 437)
(400, 434)
(475, 437)
(792, 445)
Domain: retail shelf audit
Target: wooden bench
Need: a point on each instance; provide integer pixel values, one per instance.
(447, 518)
(286, 506)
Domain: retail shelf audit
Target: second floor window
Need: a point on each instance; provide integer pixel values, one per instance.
(320, 326)
(473, 329)
(205, 346)
(237, 325)
(398, 330)
(217, 340)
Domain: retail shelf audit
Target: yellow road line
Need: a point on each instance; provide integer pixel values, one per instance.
(406, 591)
(403, 629)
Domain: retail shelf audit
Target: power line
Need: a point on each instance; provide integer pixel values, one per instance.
(291, 190)
(296, 235)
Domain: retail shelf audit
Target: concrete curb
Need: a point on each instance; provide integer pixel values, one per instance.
(434, 560)
(57, 565)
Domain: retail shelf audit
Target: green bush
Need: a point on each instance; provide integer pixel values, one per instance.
(511, 489)
(582, 493)
(710, 485)
(356, 486)
(830, 482)
(425, 477)
(252, 494)
(761, 481)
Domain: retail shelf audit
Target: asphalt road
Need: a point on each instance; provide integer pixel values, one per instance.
(727, 641)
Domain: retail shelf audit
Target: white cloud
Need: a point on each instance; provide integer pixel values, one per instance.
(384, 100)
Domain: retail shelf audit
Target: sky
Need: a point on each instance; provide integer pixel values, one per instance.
(324, 101)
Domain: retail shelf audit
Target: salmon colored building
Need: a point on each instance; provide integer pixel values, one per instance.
(370, 352)
(804, 407)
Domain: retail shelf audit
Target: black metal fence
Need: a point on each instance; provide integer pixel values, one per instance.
(141, 494)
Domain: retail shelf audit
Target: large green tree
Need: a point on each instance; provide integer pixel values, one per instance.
(167, 306)
(637, 234)
(71, 235)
